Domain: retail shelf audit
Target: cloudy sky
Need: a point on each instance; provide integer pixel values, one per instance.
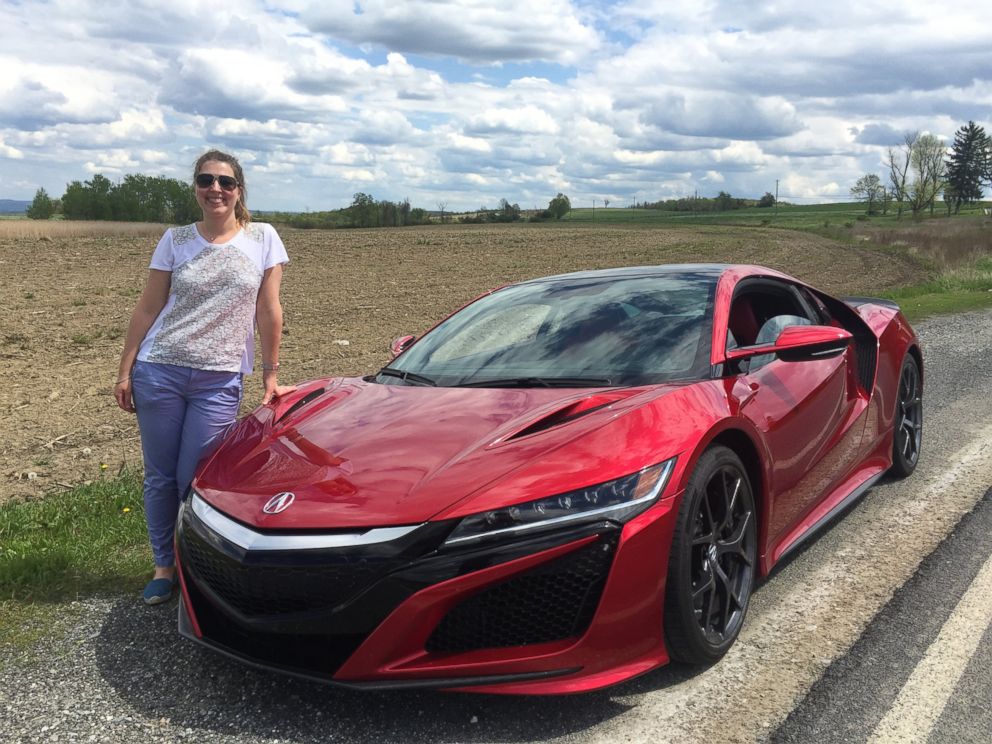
(465, 102)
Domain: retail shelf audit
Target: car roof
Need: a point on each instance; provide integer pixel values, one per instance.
(701, 269)
(713, 270)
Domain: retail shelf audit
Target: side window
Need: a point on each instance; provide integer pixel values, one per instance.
(759, 313)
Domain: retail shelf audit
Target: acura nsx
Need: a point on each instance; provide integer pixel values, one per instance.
(568, 482)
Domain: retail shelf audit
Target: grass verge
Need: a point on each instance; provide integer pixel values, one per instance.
(967, 287)
(89, 539)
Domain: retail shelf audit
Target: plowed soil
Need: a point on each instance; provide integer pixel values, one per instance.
(65, 304)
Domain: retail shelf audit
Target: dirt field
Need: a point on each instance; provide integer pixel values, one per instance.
(65, 304)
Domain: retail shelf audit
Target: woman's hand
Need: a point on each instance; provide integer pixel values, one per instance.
(270, 380)
(122, 394)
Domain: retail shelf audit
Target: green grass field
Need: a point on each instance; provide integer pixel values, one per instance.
(815, 217)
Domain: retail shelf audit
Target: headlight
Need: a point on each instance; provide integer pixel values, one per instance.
(619, 500)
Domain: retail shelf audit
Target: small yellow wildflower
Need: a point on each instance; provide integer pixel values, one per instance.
(126, 509)
(103, 466)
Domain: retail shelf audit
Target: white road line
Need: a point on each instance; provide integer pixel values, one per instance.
(922, 699)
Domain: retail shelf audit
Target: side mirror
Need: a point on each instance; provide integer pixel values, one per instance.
(398, 345)
(799, 344)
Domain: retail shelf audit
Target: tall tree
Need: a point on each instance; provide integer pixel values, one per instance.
(364, 211)
(42, 207)
(559, 206)
(899, 161)
(101, 206)
(76, 202)
(968, 164)
(928, 166)
(870, 190)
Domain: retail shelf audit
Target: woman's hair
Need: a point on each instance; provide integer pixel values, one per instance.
(241, 212)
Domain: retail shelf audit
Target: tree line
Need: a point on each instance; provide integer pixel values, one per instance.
(136, 198)
(722, 202)
(921, 169)
(139, 198)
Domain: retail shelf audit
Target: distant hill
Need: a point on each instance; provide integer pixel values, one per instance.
(13, 206)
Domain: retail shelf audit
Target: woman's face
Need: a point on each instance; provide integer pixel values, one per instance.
(215, 201)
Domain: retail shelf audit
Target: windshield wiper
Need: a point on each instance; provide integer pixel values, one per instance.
(411, 377)
(541, 382)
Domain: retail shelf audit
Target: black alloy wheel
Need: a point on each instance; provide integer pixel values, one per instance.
(908, 425)
(712, 566)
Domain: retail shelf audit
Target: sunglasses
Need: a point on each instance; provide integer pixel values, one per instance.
(206, 180)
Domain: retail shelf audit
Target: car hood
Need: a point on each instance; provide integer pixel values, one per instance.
(357, 454)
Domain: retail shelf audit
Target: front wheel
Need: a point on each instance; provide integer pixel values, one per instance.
(908, 426)
(712, 565)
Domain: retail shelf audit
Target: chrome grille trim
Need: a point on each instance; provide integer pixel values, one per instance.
(249, 539)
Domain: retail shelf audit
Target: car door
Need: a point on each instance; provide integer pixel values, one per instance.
(807, 411)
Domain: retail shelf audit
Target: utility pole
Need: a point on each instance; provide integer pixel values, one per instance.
(776, 197)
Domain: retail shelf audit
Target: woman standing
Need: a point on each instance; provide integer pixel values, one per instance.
(190, 341)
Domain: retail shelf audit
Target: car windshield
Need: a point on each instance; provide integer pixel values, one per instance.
(575, 332)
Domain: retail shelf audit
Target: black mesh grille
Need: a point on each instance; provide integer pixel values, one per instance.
(550, 603)
(267, 590)
(315, 653)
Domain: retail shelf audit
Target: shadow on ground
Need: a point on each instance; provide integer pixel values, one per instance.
(161, 675)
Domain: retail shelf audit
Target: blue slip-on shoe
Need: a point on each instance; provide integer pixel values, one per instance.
(158, 591)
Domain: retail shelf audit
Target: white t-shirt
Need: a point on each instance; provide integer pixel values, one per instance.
(208, 321)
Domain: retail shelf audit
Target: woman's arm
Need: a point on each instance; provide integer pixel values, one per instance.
(268, 316)
(150, 304)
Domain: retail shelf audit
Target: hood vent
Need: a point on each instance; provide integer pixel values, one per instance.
(568, 414)
(309, 397)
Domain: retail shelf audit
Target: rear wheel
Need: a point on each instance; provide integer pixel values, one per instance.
(908, 426)
(712, 565)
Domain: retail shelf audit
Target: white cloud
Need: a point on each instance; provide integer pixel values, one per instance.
(6, 151)
(361, 175)
(469, 30)
(523, 120)
(469, 144)
(469, 101)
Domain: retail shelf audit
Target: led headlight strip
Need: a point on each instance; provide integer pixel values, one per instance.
(619, 500)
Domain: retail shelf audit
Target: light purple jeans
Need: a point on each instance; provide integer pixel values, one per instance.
(183, 414)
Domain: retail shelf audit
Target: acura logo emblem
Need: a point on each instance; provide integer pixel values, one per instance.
(279, 503)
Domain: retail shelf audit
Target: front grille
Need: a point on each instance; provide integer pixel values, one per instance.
(313, 653)
(549, 603)
(269, 590)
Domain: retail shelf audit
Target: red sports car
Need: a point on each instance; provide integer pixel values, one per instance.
(568, 482)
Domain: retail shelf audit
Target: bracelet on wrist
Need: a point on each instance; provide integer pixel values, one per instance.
(270, 367)
(123, 379)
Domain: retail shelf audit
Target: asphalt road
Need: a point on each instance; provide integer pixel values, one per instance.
(879, 631)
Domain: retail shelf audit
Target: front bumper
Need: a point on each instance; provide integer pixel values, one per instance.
(563, 611)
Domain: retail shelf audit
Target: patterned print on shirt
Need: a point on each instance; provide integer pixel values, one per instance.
(214, 309)
(184, 234)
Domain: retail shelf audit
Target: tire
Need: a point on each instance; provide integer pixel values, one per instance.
(907, 426)
(711, 569)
